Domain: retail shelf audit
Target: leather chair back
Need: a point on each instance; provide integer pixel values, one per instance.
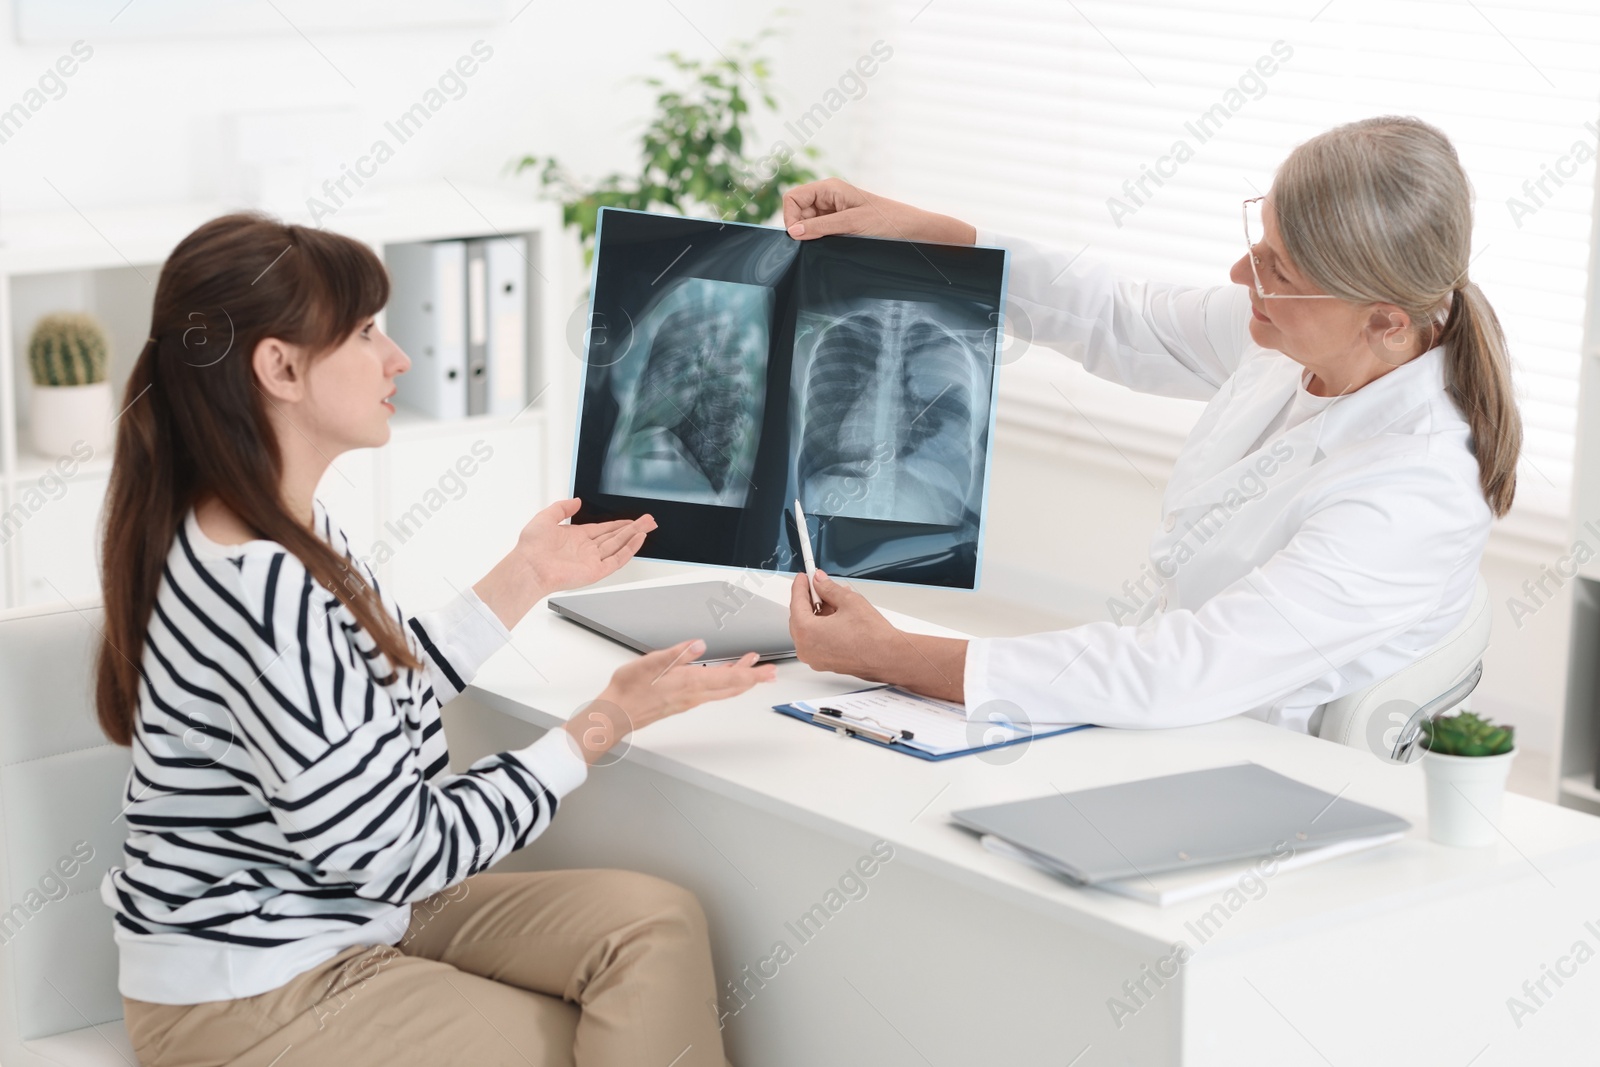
(1350, 719)
(61, 787)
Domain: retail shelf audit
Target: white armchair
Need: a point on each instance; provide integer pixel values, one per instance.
(61, 785)
(1386, 717)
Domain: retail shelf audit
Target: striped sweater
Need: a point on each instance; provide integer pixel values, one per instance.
(284, 804)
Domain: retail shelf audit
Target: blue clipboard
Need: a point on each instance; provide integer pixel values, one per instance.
(901, 747)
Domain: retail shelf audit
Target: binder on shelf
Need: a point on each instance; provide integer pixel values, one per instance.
(508, 325)
(427, 318)
(477, 327)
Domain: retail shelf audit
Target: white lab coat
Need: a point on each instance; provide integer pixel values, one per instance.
(1282, 576)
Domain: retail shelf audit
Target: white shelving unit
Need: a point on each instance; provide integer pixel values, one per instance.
(1580, 726)
(428, 524)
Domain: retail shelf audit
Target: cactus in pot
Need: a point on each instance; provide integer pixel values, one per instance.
(68, 354)
(67, 348)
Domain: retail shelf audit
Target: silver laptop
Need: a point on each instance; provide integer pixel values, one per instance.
(1178, 821)
(730, 619)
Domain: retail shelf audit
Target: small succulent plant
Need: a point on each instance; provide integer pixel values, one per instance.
(67, 348)
(1466, 734)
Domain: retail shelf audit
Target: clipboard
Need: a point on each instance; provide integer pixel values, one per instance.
(882, 738)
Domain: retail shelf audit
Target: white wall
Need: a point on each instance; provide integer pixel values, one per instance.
(140, 121)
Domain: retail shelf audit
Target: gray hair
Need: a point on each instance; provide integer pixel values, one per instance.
(1380, 211)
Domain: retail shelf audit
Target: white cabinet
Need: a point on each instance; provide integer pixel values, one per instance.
(57, 542)
(1578, 761)
(441, 503)
(7, 535)
(350, 493)
(457, 498)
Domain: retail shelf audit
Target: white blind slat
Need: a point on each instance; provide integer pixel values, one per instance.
(1026, 116)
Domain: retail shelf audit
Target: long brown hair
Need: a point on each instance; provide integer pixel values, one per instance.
(196, 423)
(1380, 211)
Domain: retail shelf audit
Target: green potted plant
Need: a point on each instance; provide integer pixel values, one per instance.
(1466, 759)
(695, 151)
(71, 402)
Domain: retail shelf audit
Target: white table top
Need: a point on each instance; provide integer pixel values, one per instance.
(741, 749)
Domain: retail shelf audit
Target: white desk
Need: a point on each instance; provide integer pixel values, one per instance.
(1403, 955)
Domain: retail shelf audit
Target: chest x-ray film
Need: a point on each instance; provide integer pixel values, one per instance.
(730, 370)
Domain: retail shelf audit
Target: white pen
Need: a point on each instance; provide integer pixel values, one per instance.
(805, 554)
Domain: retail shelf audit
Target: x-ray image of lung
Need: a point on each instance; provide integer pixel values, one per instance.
(691, 396)
(892, 405)
(741, 370)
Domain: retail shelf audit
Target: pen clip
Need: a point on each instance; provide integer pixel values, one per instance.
(848, 725)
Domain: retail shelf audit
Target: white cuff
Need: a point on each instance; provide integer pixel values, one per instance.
(974, 677)
(555, 760)
(466, 633)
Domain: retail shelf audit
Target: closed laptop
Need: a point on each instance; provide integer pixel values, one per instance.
(1177, 821)
(730, 619)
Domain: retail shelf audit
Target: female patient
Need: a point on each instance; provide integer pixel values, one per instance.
(290, 798)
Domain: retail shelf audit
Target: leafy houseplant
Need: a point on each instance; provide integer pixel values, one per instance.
(67, 358)
(1466, 761)
(693, 150)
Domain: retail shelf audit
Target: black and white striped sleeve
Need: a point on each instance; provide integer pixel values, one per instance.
(340, 770)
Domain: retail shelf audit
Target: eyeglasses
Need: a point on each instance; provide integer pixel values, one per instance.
(1254, 233)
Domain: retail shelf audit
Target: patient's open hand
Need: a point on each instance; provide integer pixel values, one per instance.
(568, 556)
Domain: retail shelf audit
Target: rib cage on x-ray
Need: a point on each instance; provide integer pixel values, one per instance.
(894, 408)
(693, 416)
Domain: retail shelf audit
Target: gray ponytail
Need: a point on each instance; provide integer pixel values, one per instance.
(1479, 378)
(1380, 211)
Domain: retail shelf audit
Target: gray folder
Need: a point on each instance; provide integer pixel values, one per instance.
(1178, 821)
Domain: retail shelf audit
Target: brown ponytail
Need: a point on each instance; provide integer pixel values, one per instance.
(195, 426)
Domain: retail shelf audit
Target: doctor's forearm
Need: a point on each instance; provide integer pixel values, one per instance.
(932, 666)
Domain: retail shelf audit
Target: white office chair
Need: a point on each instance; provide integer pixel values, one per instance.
(1386, 715)
(61, 784)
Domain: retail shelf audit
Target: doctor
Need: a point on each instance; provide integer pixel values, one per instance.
(1324, 521)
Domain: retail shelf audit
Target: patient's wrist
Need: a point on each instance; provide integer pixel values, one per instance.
(599, 726)
(511, 588)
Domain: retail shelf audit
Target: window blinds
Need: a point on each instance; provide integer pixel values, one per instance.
(1131, 130)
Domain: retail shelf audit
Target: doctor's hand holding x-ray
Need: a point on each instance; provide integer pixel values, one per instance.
(1325, 519)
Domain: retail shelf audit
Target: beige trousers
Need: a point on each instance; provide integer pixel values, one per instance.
(589, 968)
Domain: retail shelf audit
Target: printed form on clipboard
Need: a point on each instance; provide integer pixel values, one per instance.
(917, 725)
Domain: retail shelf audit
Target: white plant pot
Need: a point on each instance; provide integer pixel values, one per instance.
(62, 415)
(1464, 797)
